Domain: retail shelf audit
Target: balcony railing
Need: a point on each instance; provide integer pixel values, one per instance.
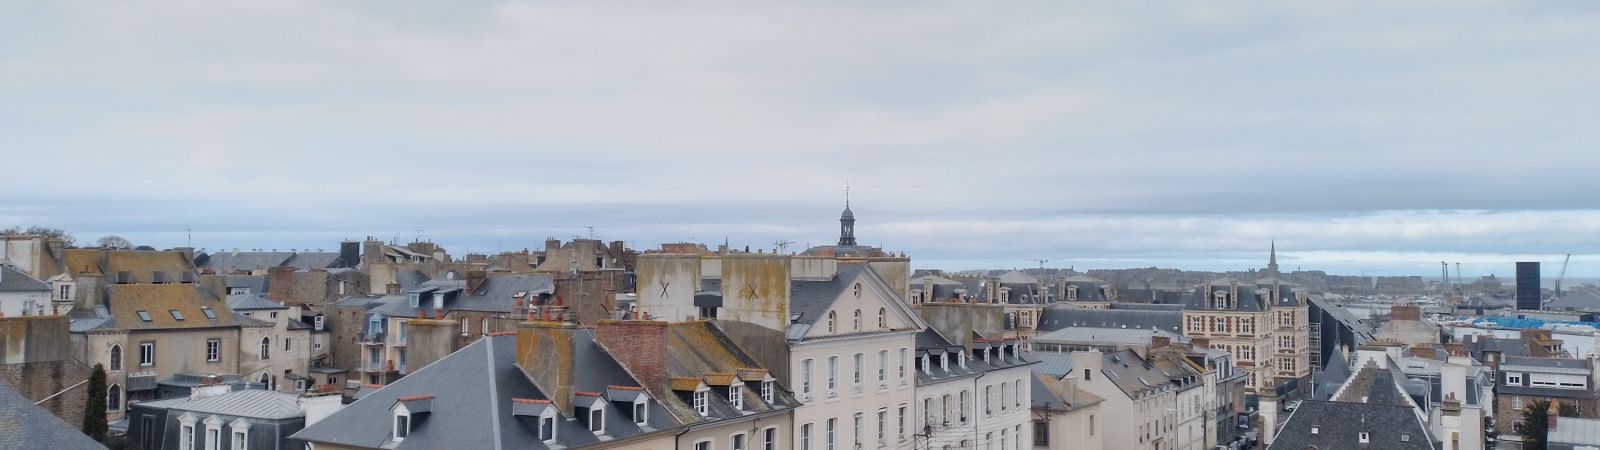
(372, 338)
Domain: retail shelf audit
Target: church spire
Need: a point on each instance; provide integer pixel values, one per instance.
(1272, 261)
(847, 223)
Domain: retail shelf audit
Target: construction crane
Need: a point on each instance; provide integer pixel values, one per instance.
(782, 245)
(1041, 263)
(1563, 274)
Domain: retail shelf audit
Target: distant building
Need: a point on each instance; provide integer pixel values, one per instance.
(22, 295)
(1522, 380)
(1529, 295)
(1371, 410)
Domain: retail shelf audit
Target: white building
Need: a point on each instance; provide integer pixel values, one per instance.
(22, 295)
(972, 400)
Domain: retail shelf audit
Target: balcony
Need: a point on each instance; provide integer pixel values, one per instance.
(371, 338)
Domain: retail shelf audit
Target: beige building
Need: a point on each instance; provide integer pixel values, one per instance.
(1154, 404)
(1065, 416)
(1264, 325)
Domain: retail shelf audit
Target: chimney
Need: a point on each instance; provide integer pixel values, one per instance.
(281, 280)
(1405, 312)
(1269, 412)
(1159, 341)
(1453, 380)
(217, 284)
(1201, 342)
(546, 352)
(1553, 413)
(350, 253)
(429, 340)
(639, 345)
(86, 295)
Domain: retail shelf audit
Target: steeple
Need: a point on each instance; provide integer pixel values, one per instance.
(847, 223)
(1272, 262)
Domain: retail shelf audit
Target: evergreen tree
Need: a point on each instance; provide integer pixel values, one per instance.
(94, 409)
(1535, 426)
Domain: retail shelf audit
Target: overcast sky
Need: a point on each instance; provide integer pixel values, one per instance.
(1380, 137)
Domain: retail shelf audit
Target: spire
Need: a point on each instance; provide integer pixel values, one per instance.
(1272, 261)
(847, 223)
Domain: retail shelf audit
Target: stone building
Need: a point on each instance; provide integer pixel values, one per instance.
(36, 362)
(1263, 324)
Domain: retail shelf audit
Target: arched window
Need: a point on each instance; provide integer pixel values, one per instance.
(116, 357)
(114, 398)
(883, 319)
(832, 319)
(856, 326)
(266, 348)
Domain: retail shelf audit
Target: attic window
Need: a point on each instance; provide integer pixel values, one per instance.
(402, 425)
(144, 315)
(1363, 437)
(1315, 429)
(547, 428)
(735, 397)
(175, 314)
(766, 391)
(209, 313)
(641, 411)
(597, 419)
(700, 403)
(1405, 438)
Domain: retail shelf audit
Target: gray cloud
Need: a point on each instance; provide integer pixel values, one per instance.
(975, 134)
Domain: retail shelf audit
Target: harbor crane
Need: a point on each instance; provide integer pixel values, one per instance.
(1563, 274)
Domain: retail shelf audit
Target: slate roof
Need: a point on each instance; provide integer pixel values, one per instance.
(252, 302)
(230, 262)
(698, 349)
(253, 403)
(1339, 425)
(472, 408)
(1130, 373)
(13, 280)
(1249, 300)
(23, 425)
(810, 299)
(1059, 317)
(313, 260)
(257, 284)
(499, 291)
(1049, 393)
(1114, 336)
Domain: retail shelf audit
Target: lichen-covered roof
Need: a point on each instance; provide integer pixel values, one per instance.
(157, 301)
(140, 265)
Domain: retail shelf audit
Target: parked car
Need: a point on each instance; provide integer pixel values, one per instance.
(1291, 406)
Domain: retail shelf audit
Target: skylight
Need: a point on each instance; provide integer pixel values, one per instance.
(144, 315)
(175, 314)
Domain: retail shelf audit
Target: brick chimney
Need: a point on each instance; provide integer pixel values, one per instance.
(1159, 341)
(1405, 312)
(639, 345)
(281, 280)
(546, 352)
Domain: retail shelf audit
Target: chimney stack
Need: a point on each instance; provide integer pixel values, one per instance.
(639, 345)
(475, 279)
(429, 340)
(546, 351)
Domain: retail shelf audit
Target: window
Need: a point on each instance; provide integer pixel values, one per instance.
(1219, 326)
(883, 319)
(483, 326)
(1005, 438)
(828, 441)
(702, 445)
(944, 410)
(833, 375)
(597, 419)
(883, 368)
(547, 428)
(1091, 424)
(856, 324)
(988, 400)
(736, 442)
(1516, 403)
(805, 379)
(288, 344)
(213, 438)
(402, 426)
(1005, 391)
(186, 437)
(641, 412)
(241, 440)
(903, 353)
(734, 397)
(901, 421)
(832, 319)
(175, 314)
(116, 357)
(114, 398)
(266, 348)
(147, 354)
(143, 315)
(1017, 397)
(1041, 434)
(856, 419)
(963, 405)
(855, 375)
(767, 391)
(700, 404)
(209, 313)
(1514, 378)
(805, 437)
(988, 441)
(1362, 437)
(66, 292)
(769, 439)
(883, 426)
(213, 350)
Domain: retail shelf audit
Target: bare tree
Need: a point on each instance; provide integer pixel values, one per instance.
(36, 230)
(114, 242)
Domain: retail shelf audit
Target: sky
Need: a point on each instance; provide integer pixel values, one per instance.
(1375, 138)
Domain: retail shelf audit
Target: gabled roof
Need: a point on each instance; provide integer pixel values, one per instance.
(499, 291)
(230, 262)
(139, 265)
(23, 425)
(253, 403)
(13, 280)
(252, 302)
(472, 404)
(698, 350)
(1050, 393)
(1059, 317)
(1339, 425)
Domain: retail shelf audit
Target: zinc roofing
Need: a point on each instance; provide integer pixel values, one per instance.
(253, 403)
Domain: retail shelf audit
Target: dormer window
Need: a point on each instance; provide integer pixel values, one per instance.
(701, 402)
(547, 427)
(597, 419)
(734, 396)
(767, 390)
(1363, 437)
(414, 300)
(402, 425)
(1072, 292)
(641, 411)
